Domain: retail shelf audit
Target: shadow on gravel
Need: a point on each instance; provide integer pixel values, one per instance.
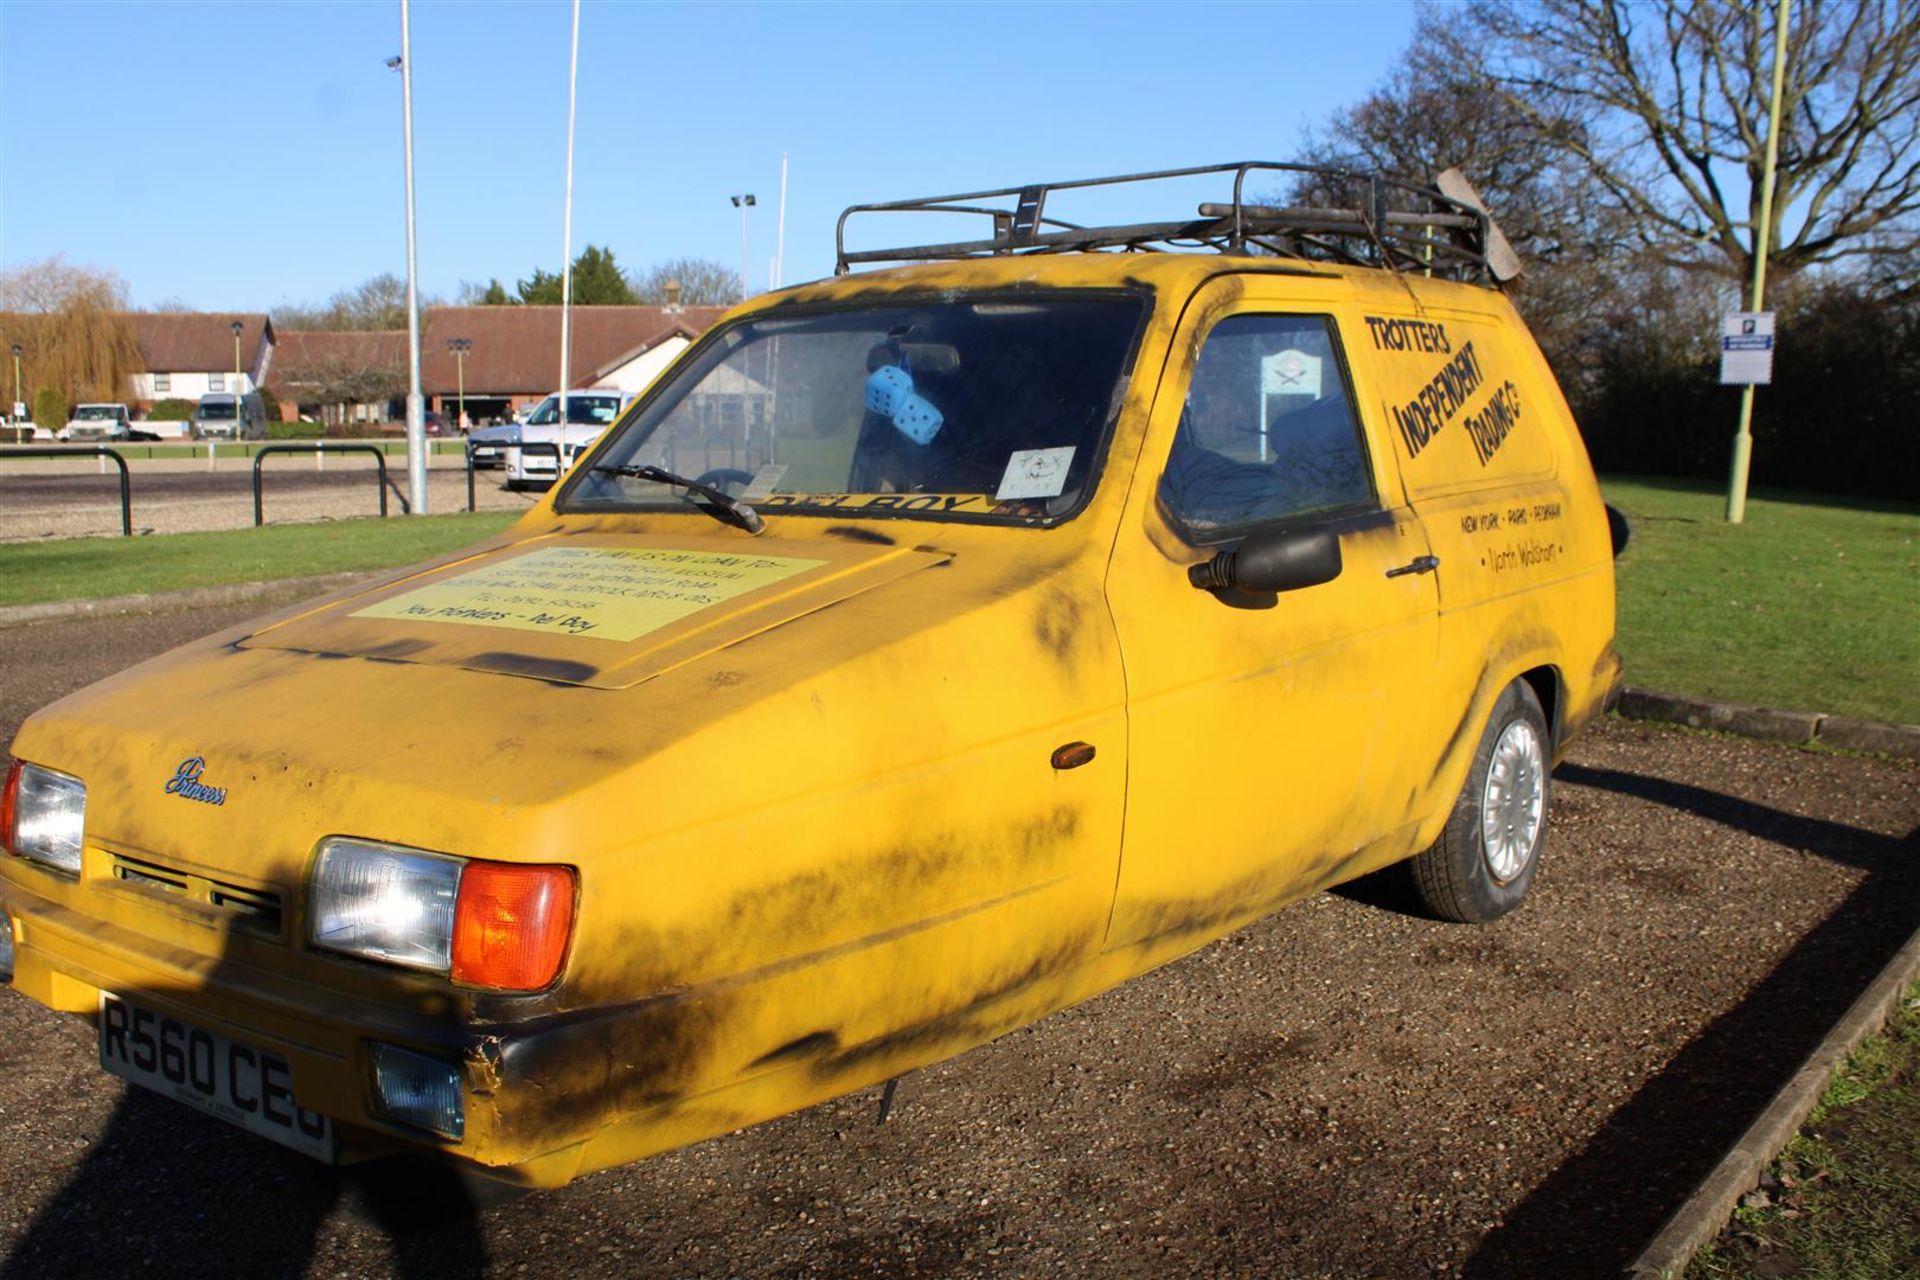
(1593, 1214)
(165, 1191)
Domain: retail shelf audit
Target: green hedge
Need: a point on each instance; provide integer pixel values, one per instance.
(295, 431)
(173, 409)
(49, 409)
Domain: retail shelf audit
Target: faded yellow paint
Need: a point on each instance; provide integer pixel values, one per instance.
(818, 834)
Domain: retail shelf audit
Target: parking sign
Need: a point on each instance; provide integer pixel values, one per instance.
(1746, 348)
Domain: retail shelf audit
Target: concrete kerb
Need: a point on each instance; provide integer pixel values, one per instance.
(1707, 1210)
(20, 615)
(1801, 728)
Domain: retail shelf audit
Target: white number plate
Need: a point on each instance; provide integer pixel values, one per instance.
(204, 1069)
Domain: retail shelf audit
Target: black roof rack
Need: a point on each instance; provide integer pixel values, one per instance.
(1370, 220)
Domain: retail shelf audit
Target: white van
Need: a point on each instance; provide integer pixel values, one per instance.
(221, 415)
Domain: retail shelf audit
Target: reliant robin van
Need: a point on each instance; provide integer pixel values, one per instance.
(928, 649)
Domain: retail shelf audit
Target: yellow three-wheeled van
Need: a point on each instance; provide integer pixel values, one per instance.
(930, 648)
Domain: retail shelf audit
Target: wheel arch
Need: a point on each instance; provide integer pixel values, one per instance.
(1550, 687)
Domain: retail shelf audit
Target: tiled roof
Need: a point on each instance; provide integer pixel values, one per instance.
(197, 341)
(516, 349)
(311, 356)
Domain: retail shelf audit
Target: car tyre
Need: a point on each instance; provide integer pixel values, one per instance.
(1483, 863)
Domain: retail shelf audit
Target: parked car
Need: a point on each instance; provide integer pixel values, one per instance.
(225, 416)
(484, 444)
(98, 422)
(589, 414)
(929, 650)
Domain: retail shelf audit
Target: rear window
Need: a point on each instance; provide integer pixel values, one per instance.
(590, 409)
(992, 408)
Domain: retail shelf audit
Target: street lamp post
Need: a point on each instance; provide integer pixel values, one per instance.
(17, 401)
(460, 347)
(743, 203)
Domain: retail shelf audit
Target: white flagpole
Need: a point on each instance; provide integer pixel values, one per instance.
(780, 244)
(416, 409)
(566, 250)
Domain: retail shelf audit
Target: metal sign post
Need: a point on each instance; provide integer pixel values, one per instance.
(1743, 436)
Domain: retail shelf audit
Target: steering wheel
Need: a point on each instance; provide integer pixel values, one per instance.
(721, 477)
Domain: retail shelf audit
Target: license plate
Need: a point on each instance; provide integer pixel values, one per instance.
(250, 1087)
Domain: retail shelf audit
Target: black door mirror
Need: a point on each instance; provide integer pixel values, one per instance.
(1272, 560)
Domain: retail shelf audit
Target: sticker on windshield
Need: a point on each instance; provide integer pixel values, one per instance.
(764, 482)
(607, 593)
(1290, 373)
(1035, 473)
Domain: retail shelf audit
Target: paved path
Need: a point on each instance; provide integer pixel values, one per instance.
(1340, 1090)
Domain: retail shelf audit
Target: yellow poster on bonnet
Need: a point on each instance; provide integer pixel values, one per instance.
(606, 593)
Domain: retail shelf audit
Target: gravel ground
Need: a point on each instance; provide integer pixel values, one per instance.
(1342, 1089)
(76, 499)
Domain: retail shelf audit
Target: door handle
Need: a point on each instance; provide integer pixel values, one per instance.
(1420, 564)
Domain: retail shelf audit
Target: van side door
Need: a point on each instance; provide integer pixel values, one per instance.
(1270, 735)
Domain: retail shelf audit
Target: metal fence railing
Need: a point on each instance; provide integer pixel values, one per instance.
(547, 447)
(379, 458)
(90, 451)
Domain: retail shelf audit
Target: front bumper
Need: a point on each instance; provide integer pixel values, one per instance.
(64, 959)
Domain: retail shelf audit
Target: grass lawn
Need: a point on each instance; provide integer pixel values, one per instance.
(1843, 1200)
(76, 568)
(1813, 604)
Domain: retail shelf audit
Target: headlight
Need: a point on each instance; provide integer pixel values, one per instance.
(489, 924)
(43, 815)
(383, 903)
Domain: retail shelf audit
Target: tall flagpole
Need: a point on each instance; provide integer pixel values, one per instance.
(566, 250)
(416, 410)
(780, 242)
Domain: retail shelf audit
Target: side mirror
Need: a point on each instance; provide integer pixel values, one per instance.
(1618, 529)
(1272, 560)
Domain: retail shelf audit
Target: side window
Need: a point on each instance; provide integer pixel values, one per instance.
(1268, 431)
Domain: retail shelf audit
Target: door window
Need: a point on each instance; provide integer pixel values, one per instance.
(1268, 430)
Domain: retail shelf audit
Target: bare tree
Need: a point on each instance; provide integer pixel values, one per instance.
(50, 284)
(339, 369)
(703, 283)
(1433, 112)
(1665, 105)
(378, 302)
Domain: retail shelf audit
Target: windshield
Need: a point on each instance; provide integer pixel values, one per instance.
(216, 410)
(594, 410)
(92, 412)
(961, 408)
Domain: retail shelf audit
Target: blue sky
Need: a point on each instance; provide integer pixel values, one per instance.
(248, 155)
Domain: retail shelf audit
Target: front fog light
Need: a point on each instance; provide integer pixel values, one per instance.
(6, 947)
(417, 1090)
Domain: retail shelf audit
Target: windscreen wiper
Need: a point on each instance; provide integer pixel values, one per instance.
(741, 514)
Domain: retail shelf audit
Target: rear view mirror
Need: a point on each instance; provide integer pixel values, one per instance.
(1272, 560)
